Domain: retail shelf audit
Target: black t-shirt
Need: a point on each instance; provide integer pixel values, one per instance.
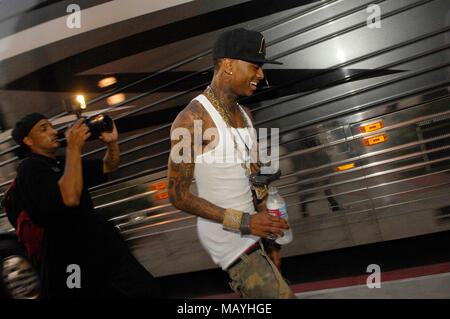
(38, 181)
(73, 235)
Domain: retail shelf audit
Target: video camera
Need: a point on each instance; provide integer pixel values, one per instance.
(97, 124)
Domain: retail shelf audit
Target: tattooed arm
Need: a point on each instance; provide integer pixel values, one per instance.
(180, 174)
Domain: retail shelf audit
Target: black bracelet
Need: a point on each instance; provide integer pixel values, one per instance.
(245, 224)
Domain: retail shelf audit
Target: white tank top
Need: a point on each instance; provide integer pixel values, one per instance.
(221, 180)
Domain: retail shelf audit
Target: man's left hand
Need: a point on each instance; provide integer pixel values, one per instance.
(273, 251)
(109, 137)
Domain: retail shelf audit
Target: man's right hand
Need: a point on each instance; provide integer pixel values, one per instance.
(263, 224)
(77, 135)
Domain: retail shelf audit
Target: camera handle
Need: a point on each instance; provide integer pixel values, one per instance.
(78, 114)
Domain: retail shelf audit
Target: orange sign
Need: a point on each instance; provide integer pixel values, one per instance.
(161, 196)
(344, 167)
(372, 127)
(158, 186)
(375, 140)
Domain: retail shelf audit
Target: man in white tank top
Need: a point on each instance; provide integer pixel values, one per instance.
(231, 222)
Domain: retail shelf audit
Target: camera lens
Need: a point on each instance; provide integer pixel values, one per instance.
(99, 124)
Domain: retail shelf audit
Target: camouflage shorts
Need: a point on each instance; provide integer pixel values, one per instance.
(255, 276)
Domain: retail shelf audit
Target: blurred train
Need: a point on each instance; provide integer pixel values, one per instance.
(362, 104)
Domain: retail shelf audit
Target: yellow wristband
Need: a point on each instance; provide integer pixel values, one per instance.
(232, 219)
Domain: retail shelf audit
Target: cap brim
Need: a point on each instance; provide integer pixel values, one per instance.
(272, 62)
(264, 61)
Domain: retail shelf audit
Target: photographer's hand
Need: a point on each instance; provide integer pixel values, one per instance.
(76, 135)
(111, 159)
(110, 137)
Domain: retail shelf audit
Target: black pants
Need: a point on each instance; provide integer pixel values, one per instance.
(125, 278)
(129, 279)
(108, 269)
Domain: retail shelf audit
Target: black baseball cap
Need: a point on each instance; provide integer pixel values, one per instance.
(22, 128)
(242, 44)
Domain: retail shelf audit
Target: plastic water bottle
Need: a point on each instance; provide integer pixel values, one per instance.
(277, 207)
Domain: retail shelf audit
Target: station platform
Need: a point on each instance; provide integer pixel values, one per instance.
(410, 268)
(424, 282)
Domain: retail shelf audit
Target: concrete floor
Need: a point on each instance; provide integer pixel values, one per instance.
(424, 287)
(411, 268)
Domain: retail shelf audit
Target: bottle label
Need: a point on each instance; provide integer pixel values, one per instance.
(280, 212)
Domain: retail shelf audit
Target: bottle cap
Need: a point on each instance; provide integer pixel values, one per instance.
(273, 190)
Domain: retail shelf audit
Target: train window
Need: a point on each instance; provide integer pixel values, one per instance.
(437, 132)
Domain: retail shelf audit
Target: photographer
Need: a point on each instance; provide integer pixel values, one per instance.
(54, 193)
(229, 224)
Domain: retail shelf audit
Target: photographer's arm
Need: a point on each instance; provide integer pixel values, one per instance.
(111, 159)
(71, 182)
